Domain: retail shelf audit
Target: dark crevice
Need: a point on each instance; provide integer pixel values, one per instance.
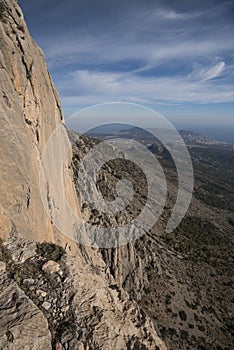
(21, 49)
(29, 122)
(28, 69)
(10, 336)
(49, 204)
(57, 103)
(28, 197)
(18, 13)
(37, 136)
(6, 100)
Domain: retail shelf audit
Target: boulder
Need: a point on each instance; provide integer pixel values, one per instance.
(51, 267)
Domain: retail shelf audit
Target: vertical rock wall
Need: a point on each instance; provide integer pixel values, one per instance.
(29, 112)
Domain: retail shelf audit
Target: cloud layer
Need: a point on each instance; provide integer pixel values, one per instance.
(142, 51)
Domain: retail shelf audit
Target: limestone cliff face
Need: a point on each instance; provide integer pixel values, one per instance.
(29, 112)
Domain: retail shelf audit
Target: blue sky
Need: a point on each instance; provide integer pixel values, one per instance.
(174, 56)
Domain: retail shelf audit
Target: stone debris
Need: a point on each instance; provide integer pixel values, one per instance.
(2, 267)
(22, 325)
(46, 305)
(84, 307)
(51, 267)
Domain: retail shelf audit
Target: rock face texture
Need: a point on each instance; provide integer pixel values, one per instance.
(22, 324)
(29, 112)
(109, 318)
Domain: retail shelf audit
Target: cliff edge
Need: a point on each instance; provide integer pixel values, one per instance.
(30, 111)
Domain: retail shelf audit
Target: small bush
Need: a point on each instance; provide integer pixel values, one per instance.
(168, 299)
(182, 315)
(184, 334)
(201, 328)
(50, 251)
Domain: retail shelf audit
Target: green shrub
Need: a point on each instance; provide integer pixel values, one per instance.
(184, 334)
(194, 235)
(50, 251)
(182, 315)
(201, 328)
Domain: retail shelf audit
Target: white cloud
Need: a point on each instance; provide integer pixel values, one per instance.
(96, 82)
(152, 40)
(104, 87)
(173, 15)
(215, 71)
(209, 72)
(150, 36)
(103, 49)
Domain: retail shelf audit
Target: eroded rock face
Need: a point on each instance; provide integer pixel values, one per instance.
(22, 325)
(84, 306)
(107, 317)
(29, 112)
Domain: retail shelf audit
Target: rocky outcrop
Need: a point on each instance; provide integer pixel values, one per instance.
(84, 306)
(109, 319)
(29, 112)
(22, 324)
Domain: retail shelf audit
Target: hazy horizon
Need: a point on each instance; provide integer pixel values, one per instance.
(217, 133)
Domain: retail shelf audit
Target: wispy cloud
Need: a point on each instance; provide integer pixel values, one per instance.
(209, 72)
(173, 15)
(82, 86)
(214, 71)
(153, 52)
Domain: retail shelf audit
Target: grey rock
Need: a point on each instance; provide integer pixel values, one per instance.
(2, 267)
(51, 267)
(46, 305)
(107, 318)
(22, 324)
(21, 249)
(28, 282)
(41, 293)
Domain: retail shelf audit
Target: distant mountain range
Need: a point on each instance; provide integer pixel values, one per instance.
(127, 131)
(195, 137)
